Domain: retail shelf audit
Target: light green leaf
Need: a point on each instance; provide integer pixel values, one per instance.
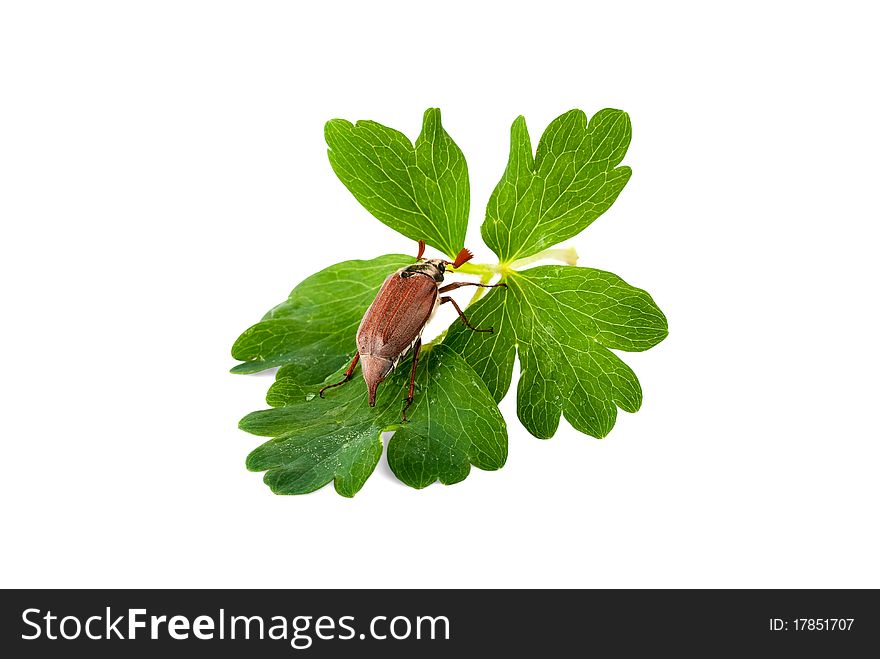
(572, 180)
(562, 320)
(313, 330)
(421, 191)
(453, 424)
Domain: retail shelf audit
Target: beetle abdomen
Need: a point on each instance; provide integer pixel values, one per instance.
(392, 324)
(375, 370)
(397, 316)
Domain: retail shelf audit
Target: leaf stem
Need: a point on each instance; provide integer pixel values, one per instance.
(567, 255)
(478, 269)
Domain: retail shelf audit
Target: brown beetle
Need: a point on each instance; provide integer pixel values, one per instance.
(392, 327)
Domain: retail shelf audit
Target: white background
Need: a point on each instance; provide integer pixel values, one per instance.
(164, 181)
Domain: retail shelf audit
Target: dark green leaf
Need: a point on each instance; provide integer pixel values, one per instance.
(453, 424)
(421, 191)
(313, 330)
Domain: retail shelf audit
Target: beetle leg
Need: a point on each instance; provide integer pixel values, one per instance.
(459, 284)
(444, 300)
(412, 378)
(347, 377)
(421, 250)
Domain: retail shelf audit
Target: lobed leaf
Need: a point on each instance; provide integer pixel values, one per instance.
(573, 179)
(562, 321)
(453, 423)
(313, 330)
(421, 190)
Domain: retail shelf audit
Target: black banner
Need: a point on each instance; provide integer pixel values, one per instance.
(325, 623)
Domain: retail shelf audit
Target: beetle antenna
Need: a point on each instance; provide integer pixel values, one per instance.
(421, 250)
(463, 257)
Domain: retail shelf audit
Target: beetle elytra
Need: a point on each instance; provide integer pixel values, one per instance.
(393, 324)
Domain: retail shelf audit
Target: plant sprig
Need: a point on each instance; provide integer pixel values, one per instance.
(562, 321)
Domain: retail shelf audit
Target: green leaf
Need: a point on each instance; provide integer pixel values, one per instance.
(313, 330)
(572, 180)
(562, 321)
(453, 424)
(421, 191)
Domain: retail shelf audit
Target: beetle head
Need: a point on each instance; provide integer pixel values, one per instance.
(463, 257)
(437, 267)
(433, 268)
(440, 264)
